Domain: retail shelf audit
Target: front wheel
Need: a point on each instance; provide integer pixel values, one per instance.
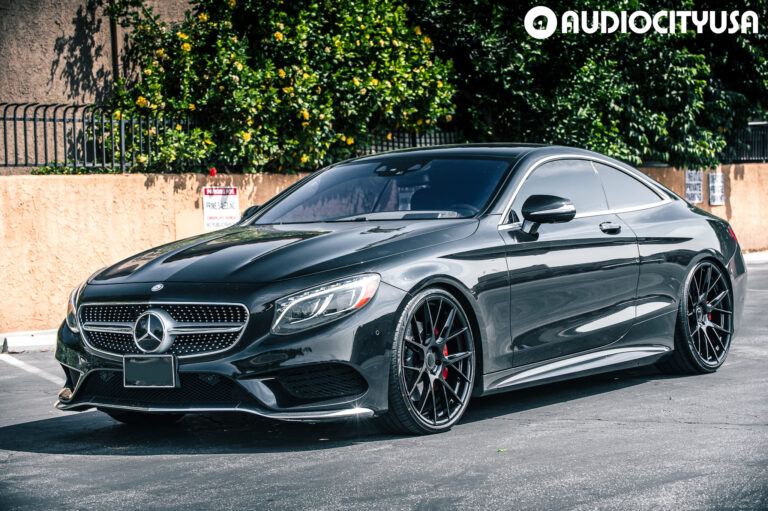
(433, 365)
(704, 323)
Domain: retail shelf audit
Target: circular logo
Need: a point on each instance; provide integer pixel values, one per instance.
(157, 287)
(150, 332)
(536, 31)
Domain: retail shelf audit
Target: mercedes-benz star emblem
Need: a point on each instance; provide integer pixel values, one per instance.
(151, 331)
(157, 287)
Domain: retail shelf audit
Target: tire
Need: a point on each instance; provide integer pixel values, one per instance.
(143, 419)
(432, 369)
(704, 326)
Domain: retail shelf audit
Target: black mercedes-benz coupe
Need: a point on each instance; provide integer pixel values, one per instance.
(400, 285)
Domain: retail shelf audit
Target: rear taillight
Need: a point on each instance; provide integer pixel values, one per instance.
(733, 234)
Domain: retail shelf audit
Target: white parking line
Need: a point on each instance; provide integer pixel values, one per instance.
(10, 359)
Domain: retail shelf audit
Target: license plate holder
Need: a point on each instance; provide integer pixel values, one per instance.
(150, 371)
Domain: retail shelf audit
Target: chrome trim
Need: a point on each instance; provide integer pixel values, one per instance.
(150, 303)
(643, 179)
(565, 208)
(109, 327)
(306, 416)
(581, 363)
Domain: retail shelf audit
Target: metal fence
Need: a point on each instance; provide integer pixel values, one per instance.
(750, 145)
(93, 137)
(81, 136)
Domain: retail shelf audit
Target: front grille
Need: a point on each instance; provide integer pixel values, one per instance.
(109, 327)
(195, 390)
(322, 381)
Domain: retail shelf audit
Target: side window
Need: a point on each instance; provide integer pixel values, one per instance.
(623, 190)
(571, 179)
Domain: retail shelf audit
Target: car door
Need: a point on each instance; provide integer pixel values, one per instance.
(572, 288)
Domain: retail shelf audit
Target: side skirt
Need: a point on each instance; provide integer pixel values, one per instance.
(575, 366)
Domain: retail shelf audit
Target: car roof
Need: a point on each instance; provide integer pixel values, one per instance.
(502, 150)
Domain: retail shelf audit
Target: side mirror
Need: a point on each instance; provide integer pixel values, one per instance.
(546, 209)
(249, 212)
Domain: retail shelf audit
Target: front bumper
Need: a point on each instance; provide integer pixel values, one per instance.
(334, 372)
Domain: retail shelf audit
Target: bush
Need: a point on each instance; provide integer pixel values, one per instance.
(283, 85)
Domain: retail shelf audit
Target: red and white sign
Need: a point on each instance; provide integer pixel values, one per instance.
(220, 207)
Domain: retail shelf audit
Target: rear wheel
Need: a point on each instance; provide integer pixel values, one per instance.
(143, 418)
(704, 323)
(433, 365)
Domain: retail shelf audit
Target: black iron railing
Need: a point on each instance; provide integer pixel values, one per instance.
(96, 138)
(749, 145)
(82, 136)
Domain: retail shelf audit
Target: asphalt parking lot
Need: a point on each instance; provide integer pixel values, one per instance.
(632, 440)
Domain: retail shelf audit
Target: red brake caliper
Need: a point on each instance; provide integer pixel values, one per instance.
(709, 316)
(445, 369)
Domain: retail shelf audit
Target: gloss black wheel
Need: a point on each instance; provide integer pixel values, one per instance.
(433, 365)
(705, 322)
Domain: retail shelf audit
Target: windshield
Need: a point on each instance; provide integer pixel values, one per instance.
(391, 189)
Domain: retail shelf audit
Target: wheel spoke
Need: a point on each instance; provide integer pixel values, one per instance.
(434, 404)
(453, 392)
(448, 326)
(420, 346)
(412, 368)
(709, 278)
(415, 328)
(718, 327)
(431, 320)
(455, 334)
(719, 298)
(709, 344)
(416, 382)
(717, 279)
(721, 311)
(425, 398)
(455, 357)
(447, 402)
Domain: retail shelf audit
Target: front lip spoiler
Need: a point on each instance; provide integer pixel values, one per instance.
(304, 416)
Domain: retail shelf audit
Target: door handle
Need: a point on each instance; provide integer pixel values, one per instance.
(610, 228)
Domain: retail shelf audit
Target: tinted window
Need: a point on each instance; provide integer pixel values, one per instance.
(392, 188)
(623, 190)
(571, 179)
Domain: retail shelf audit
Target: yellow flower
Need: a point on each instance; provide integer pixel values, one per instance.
(141, 101)
(117, 114)
(279, 36)
(389, 136)
(182, 36)
(186, 47)
(356, 81)
(427, 40)
(191, 106)
(178, 127)
(202, 17)
(359, 19)
(147, 72)
(153, 107)
(152, 131)
(287, 90)
(305, 115)
(363, 91)
(417, 29)
(350, 140)
(448, 118)
(208, 141)
(418, 123)
(304, 158)
(238, 66)
(305, 76)
(343, 137)
(142, 159)
(246, 136)
(375, 81)
(389, 30)
(439, 84)
(281, 73)
(232, 3)
(160, 52)
(249, 121)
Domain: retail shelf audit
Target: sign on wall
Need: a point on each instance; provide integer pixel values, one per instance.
(220, 207)
(694, 189)
(716, 189)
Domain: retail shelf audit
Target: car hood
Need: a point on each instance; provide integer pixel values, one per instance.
(265, 253)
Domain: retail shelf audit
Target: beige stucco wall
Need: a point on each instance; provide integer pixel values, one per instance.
(746, 199)
(57, 230)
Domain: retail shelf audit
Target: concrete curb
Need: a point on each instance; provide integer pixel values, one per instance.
(28, 341)
(756, 257)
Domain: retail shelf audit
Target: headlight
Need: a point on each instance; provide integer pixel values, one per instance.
(323, 304)
(72, 308)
